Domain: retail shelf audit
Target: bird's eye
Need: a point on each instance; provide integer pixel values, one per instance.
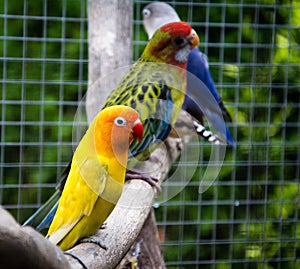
(146, 12)
(179, 41)
(119, 121)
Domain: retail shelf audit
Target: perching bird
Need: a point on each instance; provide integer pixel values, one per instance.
(158, 14)
(155, 86)
(95, 181)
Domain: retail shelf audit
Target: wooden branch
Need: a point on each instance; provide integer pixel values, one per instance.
(146, 251)
(23, 247)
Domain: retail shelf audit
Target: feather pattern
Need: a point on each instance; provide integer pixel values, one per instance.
(157, 93)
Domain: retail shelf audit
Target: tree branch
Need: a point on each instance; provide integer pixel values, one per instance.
(146, 251)
(23, 247)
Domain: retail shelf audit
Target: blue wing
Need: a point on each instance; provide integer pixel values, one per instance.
(198, 66)
(46, 222)
(157, 126)
(43, 217)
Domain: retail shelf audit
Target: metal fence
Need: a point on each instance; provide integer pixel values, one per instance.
(249, 217)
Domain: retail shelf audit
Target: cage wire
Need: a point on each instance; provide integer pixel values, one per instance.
(249, 217)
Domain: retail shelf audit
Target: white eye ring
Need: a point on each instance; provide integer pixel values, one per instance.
(120, 121)
(146, 12)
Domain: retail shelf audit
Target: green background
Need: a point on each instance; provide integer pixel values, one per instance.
(249, 217)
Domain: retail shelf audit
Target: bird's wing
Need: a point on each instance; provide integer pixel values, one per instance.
(198, 66)
(158, 124)
(154, 91)
(84, 186)
(41, 214)
(43, 217)
(202, 97)
(85, 183)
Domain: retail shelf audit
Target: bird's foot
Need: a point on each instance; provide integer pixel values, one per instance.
(153, 158)
(153, 182)
(93, 239)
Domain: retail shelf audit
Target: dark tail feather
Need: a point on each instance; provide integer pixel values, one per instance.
(39, 216)
(46, 222)
(209, 136)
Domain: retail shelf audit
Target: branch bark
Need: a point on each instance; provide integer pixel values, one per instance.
(146, 251)
(23, 247)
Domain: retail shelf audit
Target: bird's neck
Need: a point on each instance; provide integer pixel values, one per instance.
(151, 56)
(116, 164)
(117, 168)
(109, 152)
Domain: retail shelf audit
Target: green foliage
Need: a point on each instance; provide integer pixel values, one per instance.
(45, 65)
(250, 216)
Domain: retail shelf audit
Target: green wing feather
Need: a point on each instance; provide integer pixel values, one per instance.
(157, 92)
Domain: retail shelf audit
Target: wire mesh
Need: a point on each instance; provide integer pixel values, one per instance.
(43, 77)
(249, 217)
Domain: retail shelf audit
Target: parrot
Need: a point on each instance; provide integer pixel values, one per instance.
(155, 86)
(157, 14)
(96, 177)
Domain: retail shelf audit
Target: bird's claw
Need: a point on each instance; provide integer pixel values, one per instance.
(152, 181)
(93, 239)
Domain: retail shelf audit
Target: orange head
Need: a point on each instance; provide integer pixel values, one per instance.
(115, 129)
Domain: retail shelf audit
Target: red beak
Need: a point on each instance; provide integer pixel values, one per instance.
(138, 130)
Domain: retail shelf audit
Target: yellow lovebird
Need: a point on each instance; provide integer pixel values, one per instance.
(95, 181)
